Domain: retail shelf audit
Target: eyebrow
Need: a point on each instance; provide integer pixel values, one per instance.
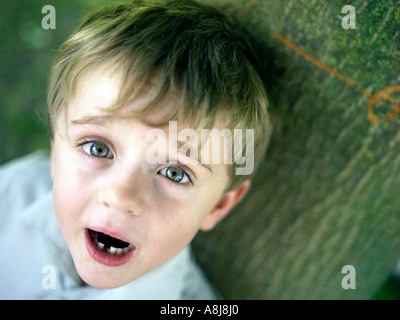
(179, 144)
(207, 166)
(94, 120)
(204, 165)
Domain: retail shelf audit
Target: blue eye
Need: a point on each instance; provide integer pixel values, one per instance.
(175, 174)
(98, 150)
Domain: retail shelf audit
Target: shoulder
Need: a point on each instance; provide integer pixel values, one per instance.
(23, 180)
(196, 285)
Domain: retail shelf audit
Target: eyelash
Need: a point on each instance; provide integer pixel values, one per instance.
(92, 141)
(185, 175)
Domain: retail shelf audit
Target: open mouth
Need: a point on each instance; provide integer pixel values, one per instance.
(110, 244)
(107, 249)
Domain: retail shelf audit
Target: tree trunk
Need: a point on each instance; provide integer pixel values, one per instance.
(327, 194)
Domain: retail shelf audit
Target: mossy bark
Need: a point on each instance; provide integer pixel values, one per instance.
(327, 194)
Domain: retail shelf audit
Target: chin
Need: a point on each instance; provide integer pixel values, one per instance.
(101, 276)
(105, 279)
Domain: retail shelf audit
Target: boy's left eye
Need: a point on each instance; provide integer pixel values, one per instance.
(97, 149)
(175, 174)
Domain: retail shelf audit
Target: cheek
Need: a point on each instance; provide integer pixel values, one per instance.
(173, 229)
(70, 194)
(165, 238)
(66, 205)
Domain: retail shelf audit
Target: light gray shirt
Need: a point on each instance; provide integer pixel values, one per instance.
(35, 262)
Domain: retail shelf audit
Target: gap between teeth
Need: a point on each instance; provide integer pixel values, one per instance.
(112, 250)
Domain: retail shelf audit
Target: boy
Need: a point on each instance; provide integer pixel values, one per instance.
(127, 202)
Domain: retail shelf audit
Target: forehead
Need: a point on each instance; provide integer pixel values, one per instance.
(97, 92)
(97, 88)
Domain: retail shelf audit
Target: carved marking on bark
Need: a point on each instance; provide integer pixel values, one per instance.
(374, 98)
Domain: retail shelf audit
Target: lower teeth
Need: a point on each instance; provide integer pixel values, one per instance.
(111, 250)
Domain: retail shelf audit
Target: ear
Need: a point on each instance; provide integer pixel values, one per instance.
(225, 205)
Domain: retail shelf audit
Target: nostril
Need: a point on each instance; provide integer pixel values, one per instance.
(120, 191)
(116, 199)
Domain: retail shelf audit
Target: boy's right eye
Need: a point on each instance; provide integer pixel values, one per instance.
(98, 150)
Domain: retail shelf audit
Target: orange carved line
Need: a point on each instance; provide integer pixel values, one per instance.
(320, 63)
(380, 95)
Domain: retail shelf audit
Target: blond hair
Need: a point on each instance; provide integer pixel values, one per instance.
(177, 45)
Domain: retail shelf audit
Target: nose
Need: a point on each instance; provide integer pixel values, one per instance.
(122, 193)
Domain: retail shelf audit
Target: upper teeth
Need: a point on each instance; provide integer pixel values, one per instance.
(112, 250)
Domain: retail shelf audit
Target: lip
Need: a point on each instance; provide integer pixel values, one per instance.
(104, 257)
(110, 233)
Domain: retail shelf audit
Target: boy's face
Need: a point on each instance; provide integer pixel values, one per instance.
(120, 215)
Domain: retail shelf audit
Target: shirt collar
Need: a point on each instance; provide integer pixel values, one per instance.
(41, 216)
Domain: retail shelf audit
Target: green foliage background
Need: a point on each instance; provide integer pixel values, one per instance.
(25, 59)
